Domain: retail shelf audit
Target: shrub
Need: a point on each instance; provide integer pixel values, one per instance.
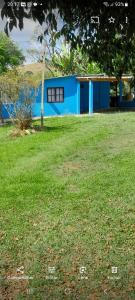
(18, 93)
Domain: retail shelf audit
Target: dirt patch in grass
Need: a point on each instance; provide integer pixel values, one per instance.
(117, 144)
(73, 188)
(71, 166)
(67, 168)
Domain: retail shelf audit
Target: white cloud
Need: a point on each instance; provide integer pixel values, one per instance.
(23, 37)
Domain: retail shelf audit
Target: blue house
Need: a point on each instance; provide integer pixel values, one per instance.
(81, 94)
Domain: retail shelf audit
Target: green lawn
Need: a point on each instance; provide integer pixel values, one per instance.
(67, 199)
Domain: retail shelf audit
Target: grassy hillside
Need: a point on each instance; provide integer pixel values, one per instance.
(67, 199)
(35, 68)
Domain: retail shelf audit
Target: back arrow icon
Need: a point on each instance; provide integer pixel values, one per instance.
(105, 291)
(121, 26)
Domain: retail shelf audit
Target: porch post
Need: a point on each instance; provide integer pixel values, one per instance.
(120, 87)
(90, 97)
(116, 84)
(78, 97)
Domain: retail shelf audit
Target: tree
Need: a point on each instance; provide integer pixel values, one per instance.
(100, 41)
(10, 55)
(68, 61)
(44, 54)
(18, 92)
(37, 50)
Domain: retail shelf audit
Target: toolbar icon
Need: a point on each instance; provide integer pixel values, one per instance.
(51, 270)
(111, 20)
(95, 20)
(67, 291)
(23, 4)
(82, 270)
(20, 270)
(106, 4)
(114, 270)
(29, 4)
(121, 26)
(10, 4)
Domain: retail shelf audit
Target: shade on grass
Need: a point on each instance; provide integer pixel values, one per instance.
(67, 200)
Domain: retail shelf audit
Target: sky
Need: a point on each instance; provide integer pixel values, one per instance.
(23, 38)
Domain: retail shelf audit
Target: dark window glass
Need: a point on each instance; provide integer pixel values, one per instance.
(55, 94)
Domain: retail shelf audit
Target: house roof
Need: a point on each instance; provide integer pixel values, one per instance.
(94, 77)
(102, 77)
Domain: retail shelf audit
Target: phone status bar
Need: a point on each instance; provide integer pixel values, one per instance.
(24, 4)
(116, 4)
(34, 4)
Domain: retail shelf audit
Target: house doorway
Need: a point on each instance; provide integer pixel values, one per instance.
(84, 97)
(114, 94)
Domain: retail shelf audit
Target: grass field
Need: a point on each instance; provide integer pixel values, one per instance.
(67, 200)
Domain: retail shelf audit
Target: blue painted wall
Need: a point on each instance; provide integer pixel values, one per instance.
(84, 97)
(71, 97)
(21, 98)
(96, 96)
(5, 113)
(101, 95)
(93, 96)
(98, 92)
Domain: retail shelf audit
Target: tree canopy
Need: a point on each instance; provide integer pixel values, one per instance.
(10, 54)
(67, 61)
(111, 45)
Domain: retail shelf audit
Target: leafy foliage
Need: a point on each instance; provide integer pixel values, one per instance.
(110, 46)
(73, 61)
(10, 54)
(18, 92)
